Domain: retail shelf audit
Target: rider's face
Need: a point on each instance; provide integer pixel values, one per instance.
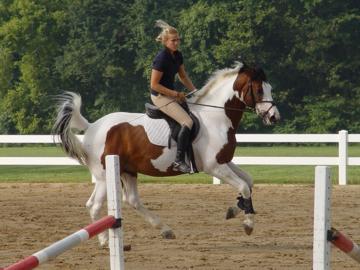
(172, 42)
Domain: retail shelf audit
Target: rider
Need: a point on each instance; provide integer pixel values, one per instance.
(166, 65)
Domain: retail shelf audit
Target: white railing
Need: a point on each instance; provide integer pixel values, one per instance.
(342, 160)
(34, 139)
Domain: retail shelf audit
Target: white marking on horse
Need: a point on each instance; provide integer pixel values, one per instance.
(164, 161)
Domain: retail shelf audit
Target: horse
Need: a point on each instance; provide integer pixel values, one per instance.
(218, 105)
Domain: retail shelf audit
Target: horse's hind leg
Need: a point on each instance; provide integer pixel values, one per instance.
(233, 211)
(94, 204)
(132, 198)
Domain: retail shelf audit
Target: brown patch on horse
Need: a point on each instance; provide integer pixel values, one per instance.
(242, 79)
(240, 85)
(239, 82)
(135, 150)
(226, 153)
(257, 77)
(234, 110)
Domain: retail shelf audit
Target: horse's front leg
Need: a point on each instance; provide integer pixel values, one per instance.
(233, 211)
(227, 174)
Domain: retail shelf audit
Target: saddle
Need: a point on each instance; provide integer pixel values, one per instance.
(154, 113)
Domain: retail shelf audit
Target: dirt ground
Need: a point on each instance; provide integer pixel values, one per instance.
(35, 215)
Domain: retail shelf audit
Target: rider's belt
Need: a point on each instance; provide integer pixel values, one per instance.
(153, 92)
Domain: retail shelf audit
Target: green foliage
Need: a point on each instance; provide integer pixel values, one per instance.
(103, 49)
(202, 27)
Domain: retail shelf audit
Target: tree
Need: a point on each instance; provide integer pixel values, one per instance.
(29, 41)
(103, 49)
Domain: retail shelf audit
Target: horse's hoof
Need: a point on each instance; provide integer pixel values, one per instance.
(249, 223)
(248, 229)
(230, 213)
(168, 235)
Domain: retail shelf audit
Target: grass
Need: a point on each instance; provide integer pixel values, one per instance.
(260, 174)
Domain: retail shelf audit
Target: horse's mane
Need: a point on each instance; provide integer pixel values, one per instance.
(217, 75)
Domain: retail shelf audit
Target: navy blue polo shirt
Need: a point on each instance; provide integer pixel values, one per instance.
(169, 64)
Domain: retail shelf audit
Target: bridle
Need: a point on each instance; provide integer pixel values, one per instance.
(249, 91)
(254, 102)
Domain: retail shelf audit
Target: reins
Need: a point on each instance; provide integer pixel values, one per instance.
(220, 107)
(246, 109)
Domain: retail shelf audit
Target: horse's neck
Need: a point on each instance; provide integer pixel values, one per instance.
(222, 95)
(217, 93)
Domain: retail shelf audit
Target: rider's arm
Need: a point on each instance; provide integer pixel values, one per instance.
(184, 78)
(156, 86)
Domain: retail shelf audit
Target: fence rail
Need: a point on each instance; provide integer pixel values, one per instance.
(342, 160)
(35, 139)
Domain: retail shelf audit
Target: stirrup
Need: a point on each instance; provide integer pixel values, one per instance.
(181, 166)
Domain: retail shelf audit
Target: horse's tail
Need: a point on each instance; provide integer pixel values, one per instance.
(68, 118)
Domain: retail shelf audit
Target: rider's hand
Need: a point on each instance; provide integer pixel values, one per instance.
(192, 93)
(180, 97)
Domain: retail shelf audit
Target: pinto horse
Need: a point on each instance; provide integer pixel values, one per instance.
(219, 107)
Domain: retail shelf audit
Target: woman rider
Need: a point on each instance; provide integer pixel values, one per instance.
(166, 65)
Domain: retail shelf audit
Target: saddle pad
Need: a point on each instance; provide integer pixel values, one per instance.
(158, 131)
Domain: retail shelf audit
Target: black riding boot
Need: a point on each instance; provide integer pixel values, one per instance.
(182, 145)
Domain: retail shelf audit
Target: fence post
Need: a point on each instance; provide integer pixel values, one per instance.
(322, 199)
(216, 181)
(343, 156)
(114, 209)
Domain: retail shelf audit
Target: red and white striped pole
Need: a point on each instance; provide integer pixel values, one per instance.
(344, 243)
(323, 233)
(61, 246)
(112, 222)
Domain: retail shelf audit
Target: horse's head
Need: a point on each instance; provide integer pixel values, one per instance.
(255, 92)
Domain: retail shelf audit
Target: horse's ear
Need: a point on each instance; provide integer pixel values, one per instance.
(244, 67)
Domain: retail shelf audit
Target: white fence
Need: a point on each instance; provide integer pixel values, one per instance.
(342, 160)
(34, 139)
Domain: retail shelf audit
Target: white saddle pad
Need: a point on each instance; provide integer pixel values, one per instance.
(158, 131)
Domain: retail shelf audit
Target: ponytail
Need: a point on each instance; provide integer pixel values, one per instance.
(166, 30)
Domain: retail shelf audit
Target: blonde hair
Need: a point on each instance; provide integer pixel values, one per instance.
(166, 30)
